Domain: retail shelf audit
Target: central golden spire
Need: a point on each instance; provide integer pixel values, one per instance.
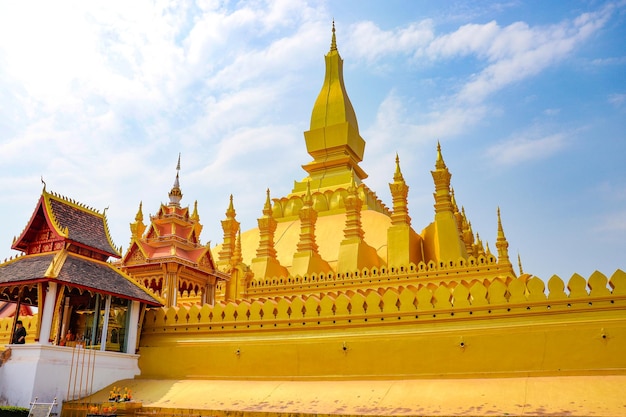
(333, 139)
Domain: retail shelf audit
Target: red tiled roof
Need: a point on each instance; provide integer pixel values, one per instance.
(27, 268)
(77, 271)
(85, 227)
(104, 277)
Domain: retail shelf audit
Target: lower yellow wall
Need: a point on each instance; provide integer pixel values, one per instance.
(540, 349)
(29, 323)
(504, 331)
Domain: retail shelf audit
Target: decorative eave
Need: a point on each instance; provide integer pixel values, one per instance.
(193, 262)
(74, 270)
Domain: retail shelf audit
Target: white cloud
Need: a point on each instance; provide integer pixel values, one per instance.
(527, 147)
(617, 100)
(551, 112)
(612, 222)
(509, 54)
(367, 41)
(468, 39)
(518, 51)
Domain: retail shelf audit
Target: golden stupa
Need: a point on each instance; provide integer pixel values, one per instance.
(337, 305)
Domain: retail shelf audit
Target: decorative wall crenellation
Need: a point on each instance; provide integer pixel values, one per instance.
(387, 276)
(451, 301)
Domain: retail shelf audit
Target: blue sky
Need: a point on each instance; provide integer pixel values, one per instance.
(528, 100)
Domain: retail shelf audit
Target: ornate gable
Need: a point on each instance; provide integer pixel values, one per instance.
(59, 222)
(40, 234)
(135, 255)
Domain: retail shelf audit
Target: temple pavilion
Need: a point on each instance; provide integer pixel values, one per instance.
(64, 273)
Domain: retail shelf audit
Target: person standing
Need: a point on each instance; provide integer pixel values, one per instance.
(19, 337)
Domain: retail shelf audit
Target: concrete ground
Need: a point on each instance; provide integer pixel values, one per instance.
(521, 396)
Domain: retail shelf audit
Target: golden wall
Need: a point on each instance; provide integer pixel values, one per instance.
(29, 323)
(451, 329)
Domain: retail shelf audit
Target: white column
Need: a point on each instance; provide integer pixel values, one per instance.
(105, 323)
(133, 326)
(48, 312)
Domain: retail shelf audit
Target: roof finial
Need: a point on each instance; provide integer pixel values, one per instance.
(267, 208)
(519, 263)
(333, 42)
(440, 164)
(176, 194)
(397, 176)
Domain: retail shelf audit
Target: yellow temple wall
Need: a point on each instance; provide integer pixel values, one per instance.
(466, 330)
(29, 323)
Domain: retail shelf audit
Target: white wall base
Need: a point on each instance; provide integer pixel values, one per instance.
(64, 373)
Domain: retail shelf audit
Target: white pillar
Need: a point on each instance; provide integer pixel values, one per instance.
(133, 327)
(48, 313)
(105, 323)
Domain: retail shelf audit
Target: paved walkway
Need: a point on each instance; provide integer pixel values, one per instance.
(532, 396)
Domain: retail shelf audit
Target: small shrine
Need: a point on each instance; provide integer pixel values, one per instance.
(168, 257)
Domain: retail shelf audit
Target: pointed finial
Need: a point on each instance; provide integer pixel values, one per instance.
(195, 216)
(44, 184)
(397, 176)
(352, 186)
(176, 194)
(139, 215)
(230, 211)
(308, 200)
(236, 259)
(267, 208)
(333, 42)
(519, 263)
(500, 229)
(440, 164)
(453, 200)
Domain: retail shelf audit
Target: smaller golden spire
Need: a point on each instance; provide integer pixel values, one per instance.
(455, 207)
(195, 216)
(397, 176)
(501, 244)
(176, 194)
(333, 42)
(230, 211)
(230, 226)
(352, 187)
(237, 257)
(519, 263)
(308, 199)
(139, 215)
(440, 164)
(267, 208)
(138, 227)
(399, 194)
